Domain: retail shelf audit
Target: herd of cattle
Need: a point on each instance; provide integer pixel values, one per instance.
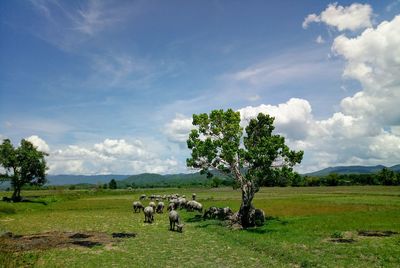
(175, 202)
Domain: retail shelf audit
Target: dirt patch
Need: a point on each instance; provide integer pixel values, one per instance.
(376, 233)
(49, 240)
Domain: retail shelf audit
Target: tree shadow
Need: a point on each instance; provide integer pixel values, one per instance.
(34, 201)
(208, 223)
(23, 200)
(259, 230)
(196, 218)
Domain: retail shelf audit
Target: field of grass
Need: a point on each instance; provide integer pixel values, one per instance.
(301, 231)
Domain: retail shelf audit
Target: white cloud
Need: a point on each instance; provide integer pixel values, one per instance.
(309, 19)
(292, 118)
(110, 156)
(319, 40)
(39, 143)
(373, 58)
(354, 17)
(112, 147)
(178, 129)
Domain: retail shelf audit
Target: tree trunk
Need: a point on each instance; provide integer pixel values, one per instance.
(248, 192)
(16, 196)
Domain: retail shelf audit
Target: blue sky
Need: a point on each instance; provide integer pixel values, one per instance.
(109, 86)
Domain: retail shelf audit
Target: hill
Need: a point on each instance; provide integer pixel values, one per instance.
(352, 170)
(78, 179)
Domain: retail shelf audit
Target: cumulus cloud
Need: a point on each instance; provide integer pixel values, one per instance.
(116, 156)
(373, 58)
(365, 130)
(178, 129)
(354, 17)
(292, 118)
(112, 147)
(40, 144)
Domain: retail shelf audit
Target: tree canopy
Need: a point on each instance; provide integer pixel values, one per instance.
(258, 157)
(22, 165)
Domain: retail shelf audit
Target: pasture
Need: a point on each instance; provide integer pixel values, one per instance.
(306, 227)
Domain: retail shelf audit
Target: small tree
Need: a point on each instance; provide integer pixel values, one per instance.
(259, 157)
(112, 184)
(22, 165)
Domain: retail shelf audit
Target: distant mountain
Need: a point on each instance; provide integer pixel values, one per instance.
(352, 170)
(395, 168)
(78, 179)
(156, 180)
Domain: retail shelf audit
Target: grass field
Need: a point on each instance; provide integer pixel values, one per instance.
(301, 231)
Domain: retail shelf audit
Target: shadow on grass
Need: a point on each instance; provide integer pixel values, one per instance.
(209, 223)
(196, 218)
(24, 200)
(34, 201)
(270, 219)
(259, 230)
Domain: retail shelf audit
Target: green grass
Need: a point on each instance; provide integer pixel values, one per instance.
(298, 234)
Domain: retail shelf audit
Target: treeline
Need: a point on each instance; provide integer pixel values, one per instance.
(384, 177)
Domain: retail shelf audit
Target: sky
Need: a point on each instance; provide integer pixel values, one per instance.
(109, 87)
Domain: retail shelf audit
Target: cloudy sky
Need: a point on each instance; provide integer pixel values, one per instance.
(110, 86)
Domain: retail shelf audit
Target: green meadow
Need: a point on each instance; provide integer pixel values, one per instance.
(305, 227)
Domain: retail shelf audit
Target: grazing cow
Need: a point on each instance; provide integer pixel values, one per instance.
(171, 206)
(194, 205)
(153, 205)
(137, 206)
(175, 220)
(148, 214)
(210, 213)
(160, 207)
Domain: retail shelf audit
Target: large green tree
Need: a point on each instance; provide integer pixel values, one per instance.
(112, 184)
(217, 143)
(21, 166)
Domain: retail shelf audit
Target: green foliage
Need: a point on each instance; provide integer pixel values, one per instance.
(112, 184)
(22, 165)
(216, 182)
(260, 158)
(268, 158)
(263, 157)
(387, 177)
(337, 234)
(383, 177)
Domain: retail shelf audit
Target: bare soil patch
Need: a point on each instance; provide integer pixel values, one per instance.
(18, 243)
